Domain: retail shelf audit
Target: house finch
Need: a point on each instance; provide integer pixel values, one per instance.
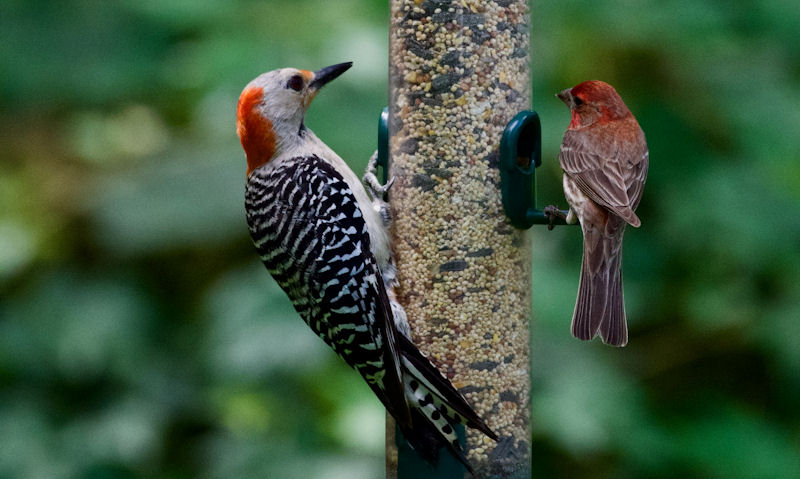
(604, 157)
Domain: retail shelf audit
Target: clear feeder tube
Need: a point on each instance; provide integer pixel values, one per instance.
(459, 71)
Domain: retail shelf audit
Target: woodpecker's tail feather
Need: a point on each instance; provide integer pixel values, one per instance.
(427, 440)
(436, 407)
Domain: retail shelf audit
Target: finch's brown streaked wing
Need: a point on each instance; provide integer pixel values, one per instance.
(637, 177)
(599, 175)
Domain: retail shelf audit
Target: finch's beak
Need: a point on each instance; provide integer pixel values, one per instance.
(566, 97)
(325, 75)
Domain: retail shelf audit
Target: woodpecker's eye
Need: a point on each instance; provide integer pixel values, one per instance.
(295, 83)
(577, 100)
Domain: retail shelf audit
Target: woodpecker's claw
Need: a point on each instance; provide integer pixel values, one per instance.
(378, 191)
(552, 212)
(370, 179)
(388, 185)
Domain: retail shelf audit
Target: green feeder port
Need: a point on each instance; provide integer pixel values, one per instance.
(520, 155)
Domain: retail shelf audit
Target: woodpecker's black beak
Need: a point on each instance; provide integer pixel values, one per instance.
(566, 97)
(325, 75)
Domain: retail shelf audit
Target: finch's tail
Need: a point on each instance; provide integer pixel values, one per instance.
(436, 407)
(600, 308)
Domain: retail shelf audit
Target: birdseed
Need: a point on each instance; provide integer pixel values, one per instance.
(459, 72)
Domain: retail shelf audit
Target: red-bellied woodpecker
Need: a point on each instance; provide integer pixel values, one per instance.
(325, 242)
(604, 157)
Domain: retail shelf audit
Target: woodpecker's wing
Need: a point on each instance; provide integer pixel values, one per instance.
(596, 163)
(311, 235)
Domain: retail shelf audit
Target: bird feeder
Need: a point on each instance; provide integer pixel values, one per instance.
(459, 73)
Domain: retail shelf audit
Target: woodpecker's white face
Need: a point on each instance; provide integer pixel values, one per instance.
(286, 94)
(272, 107)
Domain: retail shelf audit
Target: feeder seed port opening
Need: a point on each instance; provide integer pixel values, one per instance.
(520, 155)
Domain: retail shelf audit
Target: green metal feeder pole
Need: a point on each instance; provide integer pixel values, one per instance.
(459, 73)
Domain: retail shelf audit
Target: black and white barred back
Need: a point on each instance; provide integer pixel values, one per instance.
(311, 235)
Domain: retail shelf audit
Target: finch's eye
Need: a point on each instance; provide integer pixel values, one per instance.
(295, 83)
(577, 100)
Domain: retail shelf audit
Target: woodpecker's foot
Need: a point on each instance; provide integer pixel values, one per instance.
(377, 191)
(552, 212)
(370, 179)
(375, 188)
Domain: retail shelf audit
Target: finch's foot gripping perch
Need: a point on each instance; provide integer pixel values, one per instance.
(553, 214)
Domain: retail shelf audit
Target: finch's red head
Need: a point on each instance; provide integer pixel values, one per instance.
(269, 117)
(593, 102)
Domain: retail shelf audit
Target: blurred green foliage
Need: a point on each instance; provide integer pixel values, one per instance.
(140, 336)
